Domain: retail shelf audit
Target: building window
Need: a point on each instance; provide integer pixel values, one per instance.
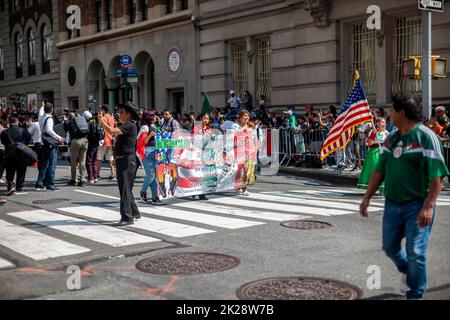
(240, 66)
(264, 70)
(362, 59)
(2, 5)
(28, 3)
(132, 10)
(184, 4)
(144, 7)
(109, 11)
(98, 19)
(169, 6)
(45, 48)
(18, 54)
(15, 5)
(72, 76)
(2, 72)
(407, 41)
(31, 53)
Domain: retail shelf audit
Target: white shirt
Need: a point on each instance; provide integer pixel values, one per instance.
(35, 131)
(48, 126)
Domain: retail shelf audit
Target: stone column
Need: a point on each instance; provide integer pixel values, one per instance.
(111, 84)
(251, 67)
(139, 15)
(176, 6)
(384, 61)
(104, 15)
(135, 92)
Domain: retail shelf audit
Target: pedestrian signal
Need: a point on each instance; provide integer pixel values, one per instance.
(412, 67)
(439, 68)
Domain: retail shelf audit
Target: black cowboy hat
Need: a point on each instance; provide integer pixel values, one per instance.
(131, 108)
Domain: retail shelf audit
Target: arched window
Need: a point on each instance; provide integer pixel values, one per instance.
(18, 54)
(31, 53)
(45, 48)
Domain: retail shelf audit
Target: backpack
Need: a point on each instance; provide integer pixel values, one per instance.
(80, 126)
(100, 132)
(96, 132)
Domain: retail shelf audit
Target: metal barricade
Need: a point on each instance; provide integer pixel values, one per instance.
(297, 148)
(304, 149)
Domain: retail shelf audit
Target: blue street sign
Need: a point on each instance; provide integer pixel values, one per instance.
(126, 71)
(125, 61)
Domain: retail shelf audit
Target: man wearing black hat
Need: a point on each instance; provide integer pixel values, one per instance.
(125, 158)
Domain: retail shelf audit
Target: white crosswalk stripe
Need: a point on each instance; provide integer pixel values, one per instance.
(239, 201)
(212, 220)
(336, 195)
(249, 213)
(314, 202)
(373, 203)
(35, 245)
(167, 228)
(5, 264)
(113, 237)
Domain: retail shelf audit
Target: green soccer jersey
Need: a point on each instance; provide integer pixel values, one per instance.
(410, 162)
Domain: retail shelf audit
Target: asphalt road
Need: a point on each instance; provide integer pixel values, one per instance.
(38, 242)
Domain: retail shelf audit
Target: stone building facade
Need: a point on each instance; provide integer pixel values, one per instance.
(29, 68)
(158, 35)
(297, 52)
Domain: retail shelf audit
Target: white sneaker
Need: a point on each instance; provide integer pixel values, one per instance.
(245, 193)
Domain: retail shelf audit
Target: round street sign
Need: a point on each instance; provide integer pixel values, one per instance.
(125, 61)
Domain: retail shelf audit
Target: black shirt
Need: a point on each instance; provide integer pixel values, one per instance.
(16, 134)
(126, 142)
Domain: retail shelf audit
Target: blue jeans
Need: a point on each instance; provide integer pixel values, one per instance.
(47, 166)
(149, 164)
(400, 221)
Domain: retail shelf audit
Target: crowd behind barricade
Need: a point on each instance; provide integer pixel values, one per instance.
(80, 138)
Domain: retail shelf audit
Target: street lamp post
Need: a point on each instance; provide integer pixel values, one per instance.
(426, 65)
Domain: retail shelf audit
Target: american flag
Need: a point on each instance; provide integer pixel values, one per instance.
(356, 111)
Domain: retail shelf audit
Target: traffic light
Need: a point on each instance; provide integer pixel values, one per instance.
(412, 67)
(439, 68)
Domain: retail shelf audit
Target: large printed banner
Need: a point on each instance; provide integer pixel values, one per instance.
(193, 164)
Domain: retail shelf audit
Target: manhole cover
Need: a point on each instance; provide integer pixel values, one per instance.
(303, 224)
(187, 263)
(293, 288)
(50, 201)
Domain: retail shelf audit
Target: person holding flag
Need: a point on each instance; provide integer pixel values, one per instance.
(355, 111)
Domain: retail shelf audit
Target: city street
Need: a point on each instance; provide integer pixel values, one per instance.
(42, 234)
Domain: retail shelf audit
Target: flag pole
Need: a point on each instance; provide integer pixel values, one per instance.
(356, 78)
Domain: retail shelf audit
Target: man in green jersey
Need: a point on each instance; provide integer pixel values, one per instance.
(412, 167)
